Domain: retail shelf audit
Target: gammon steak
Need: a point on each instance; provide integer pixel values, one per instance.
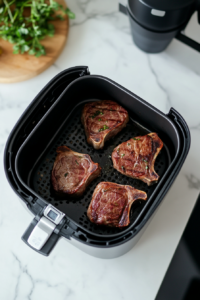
(136, 157)
(103, 120)
(111, 204)
(72, 172)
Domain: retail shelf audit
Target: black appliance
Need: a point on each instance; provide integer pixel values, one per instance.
(155, 23)
(182, 279)
(52, 119)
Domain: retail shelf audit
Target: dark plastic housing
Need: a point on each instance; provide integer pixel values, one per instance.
(176, 14)
(152, 32)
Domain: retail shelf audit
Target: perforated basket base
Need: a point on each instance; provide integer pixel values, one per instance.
(73, 136)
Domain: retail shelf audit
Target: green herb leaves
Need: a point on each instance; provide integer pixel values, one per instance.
(66, 174)
(103, 128)
(70, 14)
(98, 112)
(25, 23)
(95, 114)
(136, 139)
(146, 167)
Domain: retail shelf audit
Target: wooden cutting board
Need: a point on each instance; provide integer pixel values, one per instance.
(19, 67)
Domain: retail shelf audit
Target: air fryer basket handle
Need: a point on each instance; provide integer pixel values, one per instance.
(44, 231)
(48, 246)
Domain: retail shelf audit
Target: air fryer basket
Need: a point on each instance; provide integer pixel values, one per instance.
(61, 126)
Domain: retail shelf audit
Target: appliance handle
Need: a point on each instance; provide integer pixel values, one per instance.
(188, 41)
(185, 39)
(122, 7)
(47, 247)
(44, 231)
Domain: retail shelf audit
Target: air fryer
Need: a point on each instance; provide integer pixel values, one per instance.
(53, 119)
(155, 23)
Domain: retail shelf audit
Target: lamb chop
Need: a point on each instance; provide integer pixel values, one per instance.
(73, 172)
(136, 157)
(103, 120)
(111, 204)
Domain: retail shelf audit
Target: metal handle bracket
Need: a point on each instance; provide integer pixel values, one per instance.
(43, 232)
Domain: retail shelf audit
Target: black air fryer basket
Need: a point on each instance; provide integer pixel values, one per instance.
(53, 119)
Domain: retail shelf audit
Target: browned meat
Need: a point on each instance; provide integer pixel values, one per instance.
(111, 204)
(136, 157)
(103, 120)
(72, 172)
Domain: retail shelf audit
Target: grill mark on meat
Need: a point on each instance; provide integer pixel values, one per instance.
(100, 114)
(111, 204)
(72, 172)
(139, 155)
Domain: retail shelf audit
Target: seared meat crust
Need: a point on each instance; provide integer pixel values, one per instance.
(103, 120)
(72, 172)
(135, 158)
(111, 204)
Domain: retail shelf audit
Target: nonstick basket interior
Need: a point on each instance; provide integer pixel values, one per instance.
(73, 136)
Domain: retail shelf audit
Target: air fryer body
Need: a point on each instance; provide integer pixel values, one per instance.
(45, 107)
(148, 40)
(161, 16)
(155, 23)
(107, 252)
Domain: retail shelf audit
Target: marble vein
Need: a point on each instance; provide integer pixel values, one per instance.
(193, 181)
(21, 271)
(160, 85)
(196, 127)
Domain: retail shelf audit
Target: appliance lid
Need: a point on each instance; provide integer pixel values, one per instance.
(167, 4)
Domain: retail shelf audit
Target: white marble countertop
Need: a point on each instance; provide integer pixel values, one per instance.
(100, 38)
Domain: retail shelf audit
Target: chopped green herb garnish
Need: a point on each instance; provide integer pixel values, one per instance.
(25, 23)
(117, 149)
(103, 128)
(146, 167)
(101, 113)
(66, 174)
(135, 139)
(145, 160)
(128, 144)
(95, 114)
(123, 168)
(122, 155)
(99, 120)
(76, 162)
